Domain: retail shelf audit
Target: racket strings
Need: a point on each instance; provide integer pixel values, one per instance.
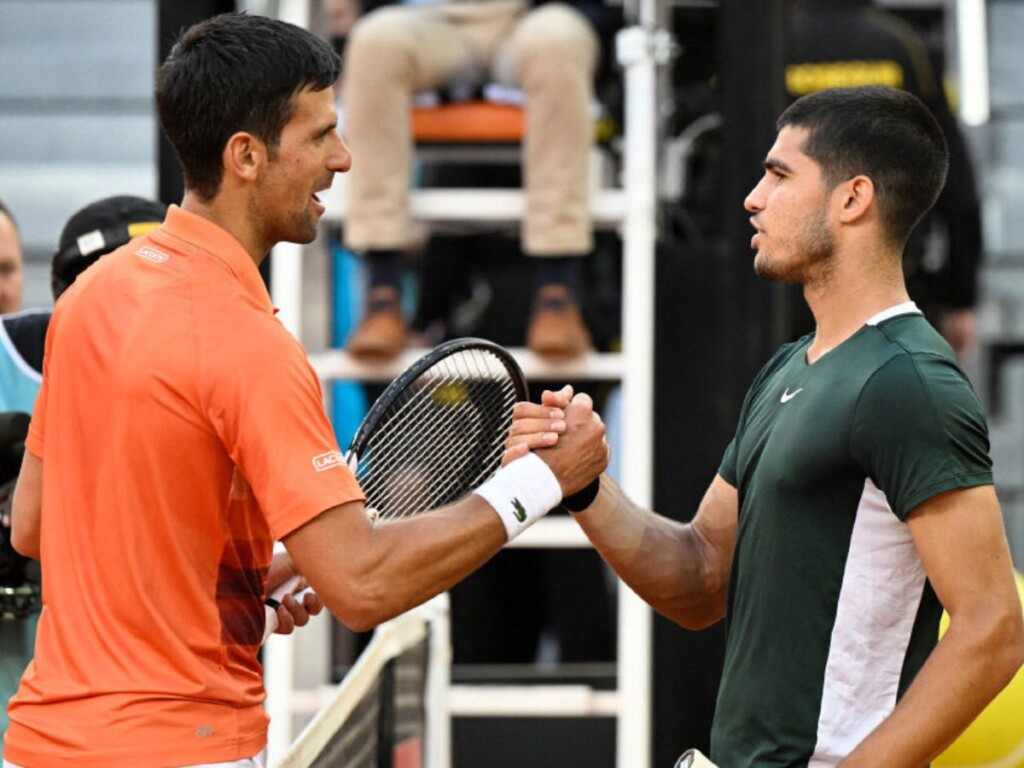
(419, 474)
(475, 459)
(467, 365)
(409, 417)
(426, 494)
(421, 480)
(444, 435)
(442, 374)
(414, 486)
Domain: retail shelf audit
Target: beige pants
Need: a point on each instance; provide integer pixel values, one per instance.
(550, 53)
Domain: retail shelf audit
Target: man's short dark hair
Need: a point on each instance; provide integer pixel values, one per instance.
(884, 133)
(230, 73)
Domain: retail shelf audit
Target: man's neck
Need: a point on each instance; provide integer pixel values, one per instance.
(229, 217)
(849, 298)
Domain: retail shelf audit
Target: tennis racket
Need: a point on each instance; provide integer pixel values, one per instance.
(693, 758)
(436, 432)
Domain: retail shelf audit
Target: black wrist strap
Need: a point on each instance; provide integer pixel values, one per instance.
(582, 499)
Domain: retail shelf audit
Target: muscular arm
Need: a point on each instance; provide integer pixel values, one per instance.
(681, 570)
(26, 508)
(366, 574)
(960, 538)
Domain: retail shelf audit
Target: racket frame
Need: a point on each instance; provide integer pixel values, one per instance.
(398, 385)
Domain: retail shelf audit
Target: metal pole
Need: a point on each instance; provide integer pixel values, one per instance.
(438, 752)
(286, 258)
(972, 61)
(637, 50)
(279, 681)
(286, 285)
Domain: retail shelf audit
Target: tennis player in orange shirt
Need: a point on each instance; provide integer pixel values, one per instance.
(175, 436)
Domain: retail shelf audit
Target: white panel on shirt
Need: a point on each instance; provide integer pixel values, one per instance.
(878, 602)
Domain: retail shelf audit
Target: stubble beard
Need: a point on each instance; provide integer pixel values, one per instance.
(300, 227)
(813, 263)
(306, 229)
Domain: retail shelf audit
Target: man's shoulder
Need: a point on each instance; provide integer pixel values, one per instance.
(913, 336)
(913, 368)
(240, 333)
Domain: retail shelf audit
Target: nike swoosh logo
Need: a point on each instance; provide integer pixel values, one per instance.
(787, 395)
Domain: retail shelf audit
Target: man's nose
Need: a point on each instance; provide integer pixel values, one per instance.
(340, 160)
(753, 202)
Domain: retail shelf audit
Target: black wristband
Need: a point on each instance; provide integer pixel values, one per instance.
(582, 499)
(272, 603)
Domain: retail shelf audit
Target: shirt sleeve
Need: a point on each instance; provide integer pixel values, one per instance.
(919, 430)
(267, 405)
(727, 468)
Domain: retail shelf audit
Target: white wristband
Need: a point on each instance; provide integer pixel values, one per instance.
(522, 492)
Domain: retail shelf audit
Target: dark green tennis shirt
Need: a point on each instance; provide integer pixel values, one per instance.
(830, 614)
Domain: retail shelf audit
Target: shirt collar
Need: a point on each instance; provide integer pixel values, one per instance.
(906, 308)
(202, 234)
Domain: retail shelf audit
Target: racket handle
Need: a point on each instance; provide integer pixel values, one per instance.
(279, 594)
(693, 758)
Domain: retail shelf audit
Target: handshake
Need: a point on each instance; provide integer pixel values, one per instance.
(568, 436)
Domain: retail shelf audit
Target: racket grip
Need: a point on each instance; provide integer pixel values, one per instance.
(693, 758)
(287, 588)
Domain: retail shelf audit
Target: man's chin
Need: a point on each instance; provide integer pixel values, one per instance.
(768, 270)
(303, 235)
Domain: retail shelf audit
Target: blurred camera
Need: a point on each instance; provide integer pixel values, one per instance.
(20, 594)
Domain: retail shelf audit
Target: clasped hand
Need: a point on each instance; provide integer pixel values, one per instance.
(565, 432)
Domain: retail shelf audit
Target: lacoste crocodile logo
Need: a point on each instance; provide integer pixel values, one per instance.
(520, 511)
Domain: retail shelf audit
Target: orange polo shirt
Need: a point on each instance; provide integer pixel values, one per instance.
(181, 430)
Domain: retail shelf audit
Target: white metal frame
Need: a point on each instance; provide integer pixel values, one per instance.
(971, 25)
(640, 50)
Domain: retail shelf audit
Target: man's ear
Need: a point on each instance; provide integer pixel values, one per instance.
(855, 197)
(244, 156)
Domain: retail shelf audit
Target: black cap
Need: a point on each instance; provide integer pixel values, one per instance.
(96, 230)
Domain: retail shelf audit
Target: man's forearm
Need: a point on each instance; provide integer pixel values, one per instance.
(965, 672)
(26, 507)
(662, 560)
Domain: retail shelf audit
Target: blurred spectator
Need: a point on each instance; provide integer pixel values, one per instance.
(20, 361)
(551, 52)
(340, 16)
(12, 270)
(96, 230)
(850, 42)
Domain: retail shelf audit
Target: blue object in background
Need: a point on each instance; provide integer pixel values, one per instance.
(348, 398)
